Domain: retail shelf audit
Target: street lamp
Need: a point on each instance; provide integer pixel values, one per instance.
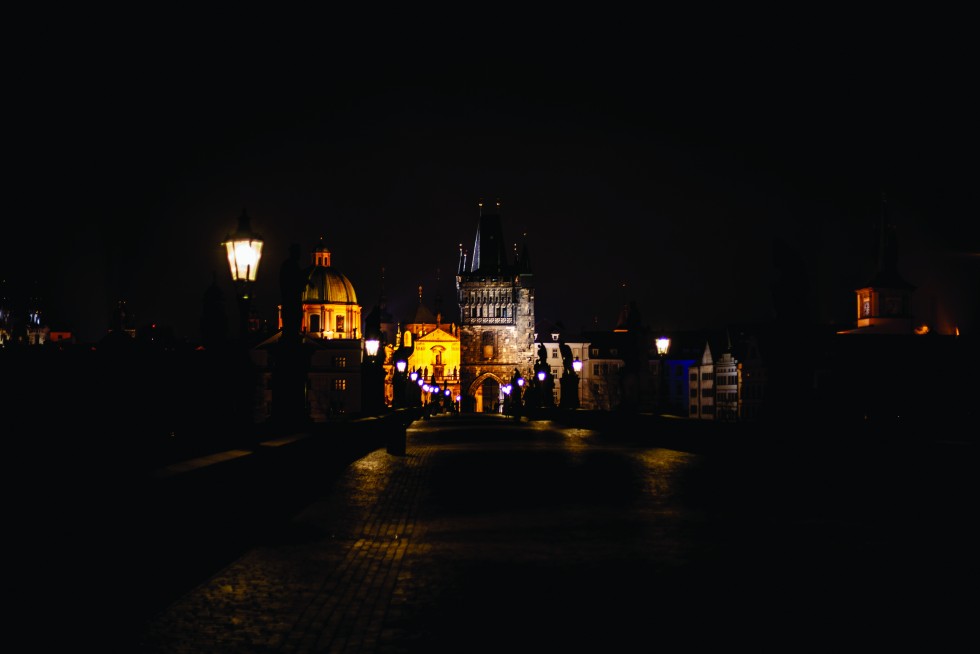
(372, 394)
(577, 368)
(515, 390)
(663, 348)
(244, 249)
(546, 398)
(398, 392)
(373, 391)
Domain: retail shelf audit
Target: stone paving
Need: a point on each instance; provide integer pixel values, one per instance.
(544, 538)
(331, 590)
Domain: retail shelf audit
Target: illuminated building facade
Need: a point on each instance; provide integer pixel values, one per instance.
(330, 308)
(331, 331)
(496, 308)
(436, 348)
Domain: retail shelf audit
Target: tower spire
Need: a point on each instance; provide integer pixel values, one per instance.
(887, 256)
(383, 300)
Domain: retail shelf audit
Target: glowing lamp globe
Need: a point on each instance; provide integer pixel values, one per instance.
(244, 249)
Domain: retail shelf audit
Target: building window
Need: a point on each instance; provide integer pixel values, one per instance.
(340, 384)
(554, 354)
(594, 351)
(488, 342)
(340, 362)
(340, 324)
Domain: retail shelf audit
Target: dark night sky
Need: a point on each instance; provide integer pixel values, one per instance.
(660, 172)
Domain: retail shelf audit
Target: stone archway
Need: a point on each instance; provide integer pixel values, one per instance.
(484, 393)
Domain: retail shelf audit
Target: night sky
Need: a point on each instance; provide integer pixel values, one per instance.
(663, 172)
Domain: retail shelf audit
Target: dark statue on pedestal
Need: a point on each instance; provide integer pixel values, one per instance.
(290, 358)
(293, 281)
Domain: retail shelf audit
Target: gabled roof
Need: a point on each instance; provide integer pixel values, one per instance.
(706, 356)
(436, 334)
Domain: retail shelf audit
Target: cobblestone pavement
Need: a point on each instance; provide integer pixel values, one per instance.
(486, 536)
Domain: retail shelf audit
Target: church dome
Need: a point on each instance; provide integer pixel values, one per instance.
(329, 286)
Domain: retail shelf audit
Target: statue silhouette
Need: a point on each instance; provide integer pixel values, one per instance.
(566, 357)
(293, 280)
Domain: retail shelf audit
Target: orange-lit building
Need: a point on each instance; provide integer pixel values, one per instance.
(330, 308)
(433, 350)
(331, 330)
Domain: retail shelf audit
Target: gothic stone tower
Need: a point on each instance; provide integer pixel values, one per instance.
(496, 309)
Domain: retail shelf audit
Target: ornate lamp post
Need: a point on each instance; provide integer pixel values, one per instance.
(373, 376)
(577, 368)
(414, 392)
(398, 392)
(244, 249)
(516, 393)
(542, 375)
(372, 397)
(507, 408)
(663, 348)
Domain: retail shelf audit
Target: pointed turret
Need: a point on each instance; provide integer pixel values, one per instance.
(887, 274)
(489, 254)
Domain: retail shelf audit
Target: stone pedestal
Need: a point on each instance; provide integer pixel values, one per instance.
(290, 364)
(569, 391)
